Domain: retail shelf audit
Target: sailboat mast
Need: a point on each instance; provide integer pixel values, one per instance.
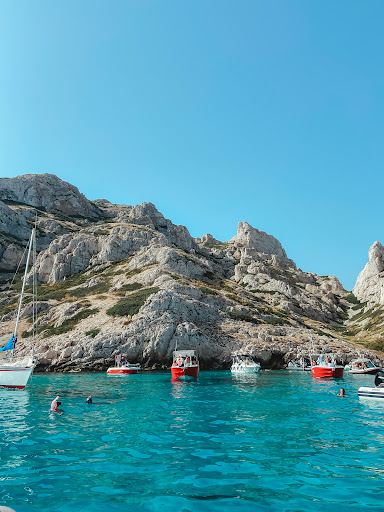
(24, 280)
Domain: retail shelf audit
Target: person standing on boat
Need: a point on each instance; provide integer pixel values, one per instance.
(118, 359)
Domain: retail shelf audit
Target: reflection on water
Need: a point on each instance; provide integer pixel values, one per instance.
(14, 408)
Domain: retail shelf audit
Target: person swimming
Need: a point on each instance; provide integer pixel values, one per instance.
(89, 400)
(55, 405)
(342, 392)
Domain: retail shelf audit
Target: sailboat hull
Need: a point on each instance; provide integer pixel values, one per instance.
(14, 377)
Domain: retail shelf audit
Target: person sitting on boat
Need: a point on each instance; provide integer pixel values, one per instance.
(247, 360)
(188, 360)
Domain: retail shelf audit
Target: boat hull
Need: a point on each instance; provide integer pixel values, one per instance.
(246, 369)
(327, 372)
(14, 377)
(190, 372)
(371, 392)
(122, 371)
(369, 371)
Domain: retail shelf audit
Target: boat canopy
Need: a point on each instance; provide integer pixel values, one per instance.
(10, 345)
(361, 360)
(184, 353)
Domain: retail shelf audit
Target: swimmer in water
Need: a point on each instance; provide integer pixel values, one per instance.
(55, 405)
(89, 400)
(342, 392)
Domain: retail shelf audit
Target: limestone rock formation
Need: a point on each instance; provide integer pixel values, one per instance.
(48, 192)
(124, 279)
(369, 286)
(251, 238)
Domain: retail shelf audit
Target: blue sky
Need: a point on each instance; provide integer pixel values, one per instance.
(216, 111)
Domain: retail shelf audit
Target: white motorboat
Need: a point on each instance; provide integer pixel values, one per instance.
(15, 372)
(303, 365)
(244, 364)
(363, 366)
(373, 392)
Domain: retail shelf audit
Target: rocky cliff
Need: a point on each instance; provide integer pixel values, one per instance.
(123, 279)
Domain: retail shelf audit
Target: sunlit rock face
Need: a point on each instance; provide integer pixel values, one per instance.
(242, 295)
(369, 286)
(49, 192)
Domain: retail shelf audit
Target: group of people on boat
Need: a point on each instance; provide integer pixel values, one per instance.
(185, 360)
(121, 360)
(326, 362)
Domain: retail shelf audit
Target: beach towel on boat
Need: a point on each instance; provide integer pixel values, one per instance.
(10, 345)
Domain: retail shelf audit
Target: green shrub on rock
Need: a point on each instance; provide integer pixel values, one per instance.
(131, 305)
(92, 332)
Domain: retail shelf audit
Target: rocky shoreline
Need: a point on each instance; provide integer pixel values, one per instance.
(123, 279)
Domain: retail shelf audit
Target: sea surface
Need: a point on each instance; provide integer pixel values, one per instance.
(276, 441)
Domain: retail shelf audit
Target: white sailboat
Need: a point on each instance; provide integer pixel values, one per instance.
(15, 372)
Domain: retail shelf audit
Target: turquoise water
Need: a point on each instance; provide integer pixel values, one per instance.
(275, 441)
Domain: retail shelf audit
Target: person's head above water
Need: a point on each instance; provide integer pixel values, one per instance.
(89, 400)
(55, 403)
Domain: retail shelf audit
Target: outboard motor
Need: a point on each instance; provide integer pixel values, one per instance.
(379, 379)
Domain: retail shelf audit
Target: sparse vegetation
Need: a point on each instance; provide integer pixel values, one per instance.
(208, 291)
(352, 299)
(275, 321)
(270, 292)
(130, 287)
(376, 345)
(92, 332)
(321, 333)
(131, 304)
(49, 330)
(101, 287)
(236, 315)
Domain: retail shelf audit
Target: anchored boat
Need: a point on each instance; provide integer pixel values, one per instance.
(363, 365)
(374, 392)
(244, 364)
(16, 371)
(185, 364)
(326, 367)
(303, 365)
(126, 368)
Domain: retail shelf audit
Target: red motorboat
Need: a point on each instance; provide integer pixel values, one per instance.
(185, 365)
(124, 369)
(327, 368)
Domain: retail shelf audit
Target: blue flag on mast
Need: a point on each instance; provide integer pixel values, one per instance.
(10, 345)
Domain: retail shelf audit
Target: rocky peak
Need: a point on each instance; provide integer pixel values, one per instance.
(149, 215)
(48, 192)
(207, 240)
(251, 238)
(370, 282)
